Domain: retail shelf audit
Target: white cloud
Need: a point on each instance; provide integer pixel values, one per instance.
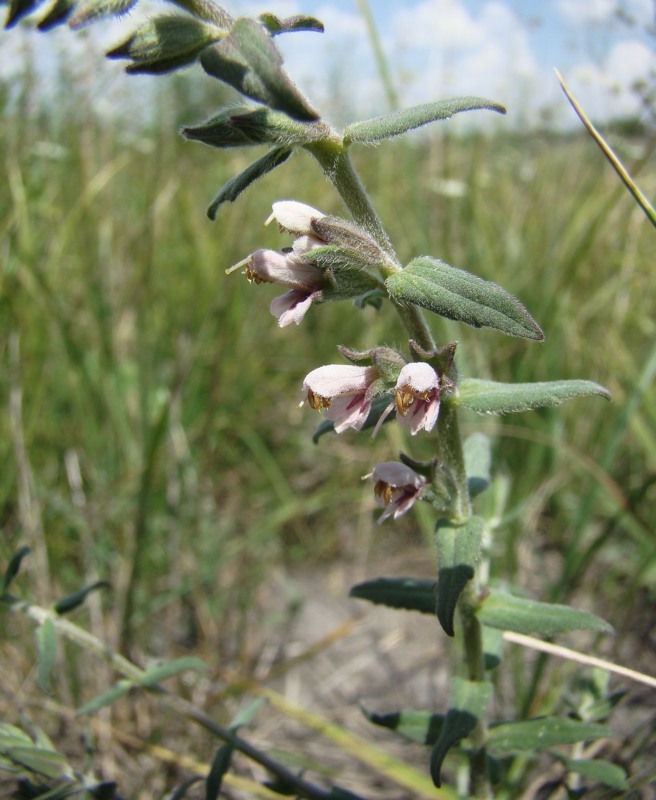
(585, 12)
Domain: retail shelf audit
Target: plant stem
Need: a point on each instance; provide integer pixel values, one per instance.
(336, 163)
(474, 658)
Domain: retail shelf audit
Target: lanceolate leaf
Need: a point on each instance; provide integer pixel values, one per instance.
(19, 9)
(234, 187)
(220, 765)
(521, 615)
(88, 11)
(13, 568)
(160, 672)
(166, 42)
(207, 10)
(467, 704)
(490, 397)
(461, 296)
(478, 462)
(249, 61)
(410, 593)
(420, 726)
(113, 694)
(540, 734)
(240, 127)
(76, 599)
(299, 22)
(458, 553)
(600, 771)
(398, 122)
(57, 14)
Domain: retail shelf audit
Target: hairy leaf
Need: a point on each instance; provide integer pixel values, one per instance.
(248, 60)
(88, 11)
(112, 694)
(478, 462)
(420, 726)
(160, 672)
(76, 599)
(235, 186)
(458, 553)
(600, 771)
(540, 734)
(461, 296)
(13, 569)
(165, 43)
(490, 397)
(299, 22)
(220, 765)
(468, 703)
(398, 122)
(511, 613)
(412, 594)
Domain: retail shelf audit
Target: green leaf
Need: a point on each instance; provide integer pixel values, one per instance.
(247, 714)
(248, 60)
(490, 397)
(461, 296)
(600, 771)
(220, 765)
(160, 672)
(46, 646)
(539, 734)
(458, 553)
(478, 463)
(113, 694)
(468, 703)
(235, 186)
(47, 763)
(208, 11)
(522, 615)
(57, 14)
(88, 11)
(492, 647)
(13, 569)
(19, 9)
(298, 22)
(244, 127)
(409, 593)
(420, 726)
(165, 43)
(398, 122)
(72, 601)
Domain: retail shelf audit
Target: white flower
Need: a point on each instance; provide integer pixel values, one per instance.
(418, 397)
(295, 217)
(396, 488)
(344, 390)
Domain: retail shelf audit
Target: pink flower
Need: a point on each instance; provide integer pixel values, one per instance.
(396, 488)
(418, 397)
(288, 269)
(344, 390)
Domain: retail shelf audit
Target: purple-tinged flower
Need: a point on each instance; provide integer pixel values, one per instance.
(304, 281)
(295, 217)
(396, 488)
(418, 397)
(344, 390)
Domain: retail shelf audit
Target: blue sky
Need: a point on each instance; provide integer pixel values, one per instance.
(503, 49)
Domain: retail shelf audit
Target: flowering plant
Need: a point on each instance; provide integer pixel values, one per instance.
(415, 384)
